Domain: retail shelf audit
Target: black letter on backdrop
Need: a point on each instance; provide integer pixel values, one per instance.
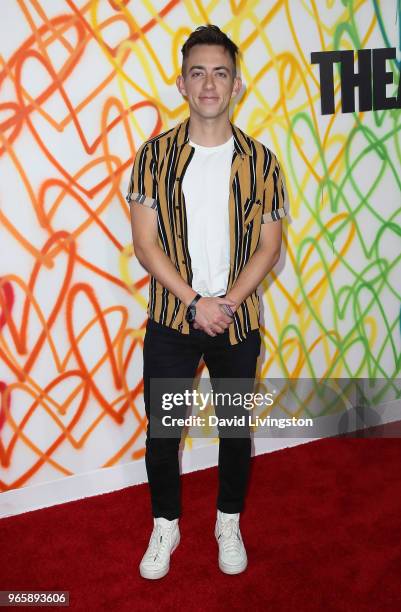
(326, 59)
(361, 79)
(381, 77)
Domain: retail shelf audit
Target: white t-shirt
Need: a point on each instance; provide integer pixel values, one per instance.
(206, 190)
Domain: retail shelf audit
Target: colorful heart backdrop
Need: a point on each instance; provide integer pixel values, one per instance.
(82, 85)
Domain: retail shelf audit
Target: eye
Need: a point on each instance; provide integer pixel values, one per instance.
(222, 74)
(196, 73)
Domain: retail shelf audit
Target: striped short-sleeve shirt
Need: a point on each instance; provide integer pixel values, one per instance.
(257, 195)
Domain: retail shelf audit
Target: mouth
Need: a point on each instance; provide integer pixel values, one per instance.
(208, 99)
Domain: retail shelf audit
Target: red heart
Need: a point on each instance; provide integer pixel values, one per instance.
(19, 335)
(6, 452)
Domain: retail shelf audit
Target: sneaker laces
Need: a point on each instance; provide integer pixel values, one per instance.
(159, 541)
(230, 537)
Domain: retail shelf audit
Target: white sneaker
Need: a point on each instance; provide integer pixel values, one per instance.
(232, 553)
(163, 541)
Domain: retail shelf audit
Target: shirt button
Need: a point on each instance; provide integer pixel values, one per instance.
(179, 236)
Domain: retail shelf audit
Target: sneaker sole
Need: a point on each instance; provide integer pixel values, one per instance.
(155, 575)
(233, 569)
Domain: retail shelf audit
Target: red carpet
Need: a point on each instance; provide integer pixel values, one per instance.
(321, 527)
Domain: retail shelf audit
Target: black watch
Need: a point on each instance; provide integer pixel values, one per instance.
(191, 310)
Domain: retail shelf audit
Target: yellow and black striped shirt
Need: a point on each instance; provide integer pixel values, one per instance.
(257, 195)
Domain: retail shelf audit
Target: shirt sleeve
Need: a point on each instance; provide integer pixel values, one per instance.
(275, 200)
(143, 182)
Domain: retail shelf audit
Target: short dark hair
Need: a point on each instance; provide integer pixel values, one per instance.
(209, 35)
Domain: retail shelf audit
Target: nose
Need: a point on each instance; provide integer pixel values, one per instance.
(209, 81)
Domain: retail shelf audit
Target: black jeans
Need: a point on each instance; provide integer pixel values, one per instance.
(167, 353)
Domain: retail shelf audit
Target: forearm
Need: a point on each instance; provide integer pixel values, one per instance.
(159, 265)
(259, 265)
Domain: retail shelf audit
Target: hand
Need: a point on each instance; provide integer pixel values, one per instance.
(211, 317)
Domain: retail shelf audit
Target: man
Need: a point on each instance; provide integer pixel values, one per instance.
(203, 196)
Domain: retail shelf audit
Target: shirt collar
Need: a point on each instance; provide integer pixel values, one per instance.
(240, 143)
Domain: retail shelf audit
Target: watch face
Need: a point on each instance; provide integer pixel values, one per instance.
(191, 314)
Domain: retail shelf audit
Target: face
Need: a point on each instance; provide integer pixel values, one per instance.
(209, 82)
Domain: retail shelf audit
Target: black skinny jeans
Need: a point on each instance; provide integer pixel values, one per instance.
(167, 353)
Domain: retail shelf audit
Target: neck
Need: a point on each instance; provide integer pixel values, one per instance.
(209, 132)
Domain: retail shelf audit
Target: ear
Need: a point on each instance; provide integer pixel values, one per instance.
(181, 85)
(237, 86)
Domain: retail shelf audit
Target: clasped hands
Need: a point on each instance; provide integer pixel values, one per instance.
(211, 315)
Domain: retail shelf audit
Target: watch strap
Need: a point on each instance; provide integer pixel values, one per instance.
(195, 300)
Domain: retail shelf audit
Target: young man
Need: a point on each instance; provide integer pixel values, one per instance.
(206, 205)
